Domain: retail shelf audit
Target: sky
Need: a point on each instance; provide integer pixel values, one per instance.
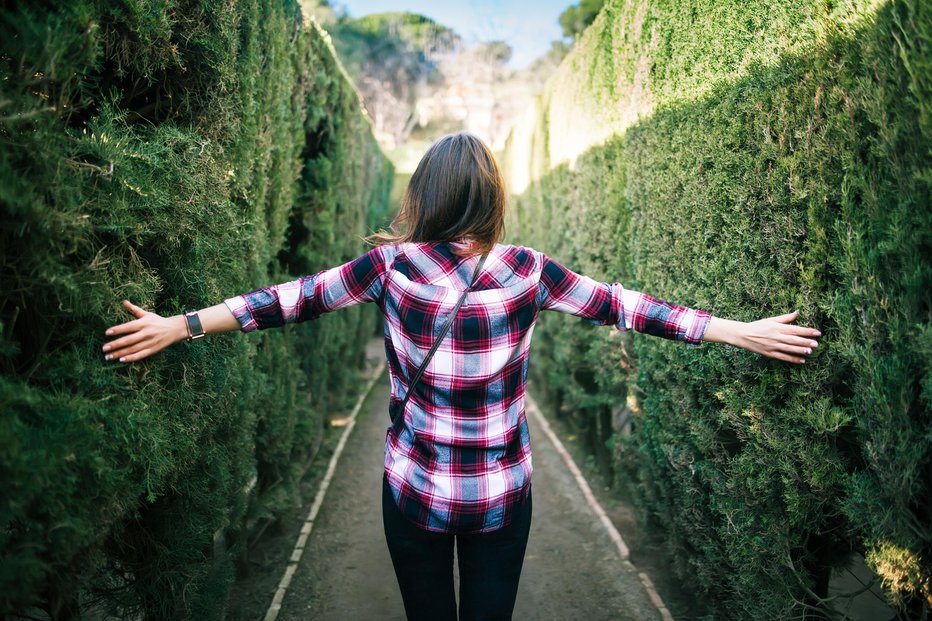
(528, 26)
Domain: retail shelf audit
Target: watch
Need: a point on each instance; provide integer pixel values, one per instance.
(193, 322)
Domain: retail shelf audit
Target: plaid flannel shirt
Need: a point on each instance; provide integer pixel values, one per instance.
(460, 459)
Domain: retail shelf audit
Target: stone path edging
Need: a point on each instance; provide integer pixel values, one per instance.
(614, 535)
(299, 545)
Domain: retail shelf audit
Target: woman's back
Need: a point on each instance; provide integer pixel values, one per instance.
(489, 334)
(459, 459)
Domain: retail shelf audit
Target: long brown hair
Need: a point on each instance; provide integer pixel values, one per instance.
(457, 191)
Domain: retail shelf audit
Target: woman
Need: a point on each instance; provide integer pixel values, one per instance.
(457, 456)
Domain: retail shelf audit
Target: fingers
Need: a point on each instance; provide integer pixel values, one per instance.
(144, 336)
(125, 328)
(120, 352)
(798, 330)
(138, 355)
(135, 310)
(129, 326)
(784, 328)
(792, 349)
(775, 337)
(801, 331)
(799, 341)
(786, 357)
(121, 343)
(127, 353)
(787, 317)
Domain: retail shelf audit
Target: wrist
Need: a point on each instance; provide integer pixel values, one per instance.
(737, 333)
(180, 327)
(725, 331)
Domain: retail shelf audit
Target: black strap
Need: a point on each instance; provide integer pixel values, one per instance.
(436, 344)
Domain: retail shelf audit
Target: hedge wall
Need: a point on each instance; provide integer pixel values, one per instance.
(173, 153)
(750, 158)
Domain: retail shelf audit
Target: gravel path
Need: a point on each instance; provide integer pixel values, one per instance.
(572, 569)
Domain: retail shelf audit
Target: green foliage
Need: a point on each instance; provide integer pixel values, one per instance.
(173, 153)
(785, 164)
(396, 46)
(577, 17)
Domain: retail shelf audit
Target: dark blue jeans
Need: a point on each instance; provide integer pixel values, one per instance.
(489, 565)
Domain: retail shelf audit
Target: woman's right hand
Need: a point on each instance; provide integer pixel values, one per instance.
(149, 333)
(774, 337)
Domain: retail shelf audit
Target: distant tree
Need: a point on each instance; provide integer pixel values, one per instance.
(577, 17)
(551, 59)
(391, 56)
(497, 52)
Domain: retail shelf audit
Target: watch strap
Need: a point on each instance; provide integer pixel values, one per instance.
(195, 329)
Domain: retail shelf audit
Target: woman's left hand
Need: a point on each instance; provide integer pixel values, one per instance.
(148, 334)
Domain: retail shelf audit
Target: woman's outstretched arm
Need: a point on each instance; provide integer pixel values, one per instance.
(150, 333)
(306, 298)
(611, 304)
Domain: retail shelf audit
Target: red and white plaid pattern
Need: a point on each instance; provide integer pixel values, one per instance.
(461, 457)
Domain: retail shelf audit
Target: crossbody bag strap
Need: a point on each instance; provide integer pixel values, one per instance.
(443, 333)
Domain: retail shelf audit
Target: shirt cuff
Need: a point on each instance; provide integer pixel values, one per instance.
(240, 309)
(629, 300)
(694, 332)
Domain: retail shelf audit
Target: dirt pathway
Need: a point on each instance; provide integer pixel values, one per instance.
(572, 569)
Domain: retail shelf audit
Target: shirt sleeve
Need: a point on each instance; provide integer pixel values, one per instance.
(565, 291)
(308, 297)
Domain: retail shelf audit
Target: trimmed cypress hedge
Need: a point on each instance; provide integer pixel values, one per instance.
(750, 158)
(173, 153)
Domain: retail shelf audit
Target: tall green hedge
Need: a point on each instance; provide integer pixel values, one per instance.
(751, 158)
(174, 153)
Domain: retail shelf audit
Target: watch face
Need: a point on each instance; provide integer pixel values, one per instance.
(195, 330)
